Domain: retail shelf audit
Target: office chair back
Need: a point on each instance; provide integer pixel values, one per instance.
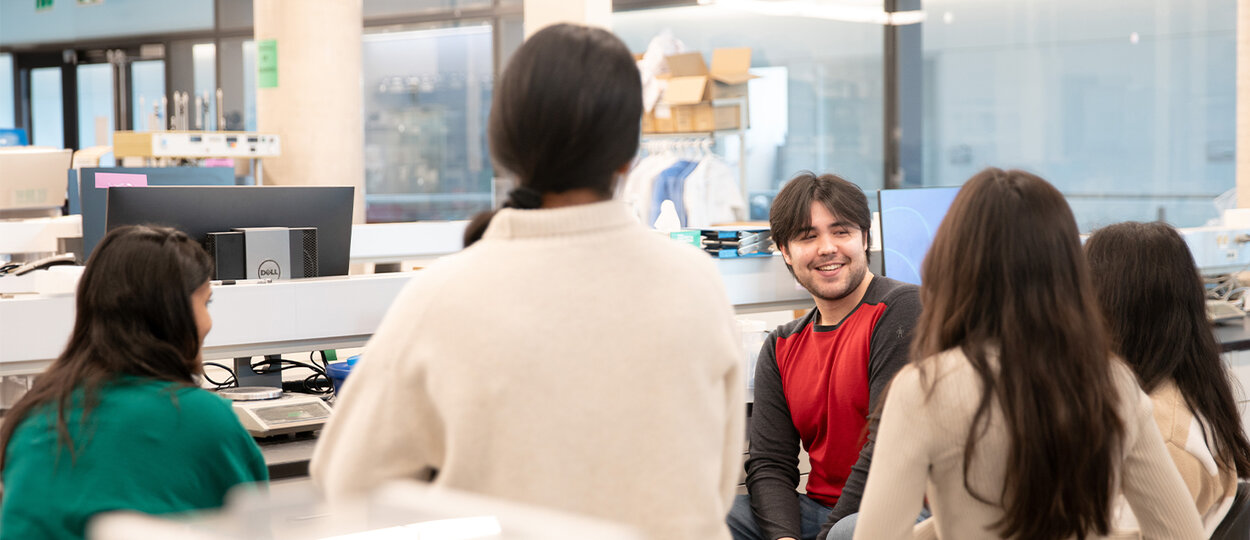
(1236, 525)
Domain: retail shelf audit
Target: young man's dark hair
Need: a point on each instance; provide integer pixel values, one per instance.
(818, 375)
(791, 211)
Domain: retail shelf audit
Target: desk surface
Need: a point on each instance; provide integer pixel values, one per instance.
(287, 457)
(1233, 337)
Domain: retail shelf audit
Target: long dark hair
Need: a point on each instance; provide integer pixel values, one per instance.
(1005, 278)
(566, 115)
(134, 317)
(1153, 299)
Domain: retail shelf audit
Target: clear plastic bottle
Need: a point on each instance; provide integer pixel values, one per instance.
(754, 332)
(668, 221)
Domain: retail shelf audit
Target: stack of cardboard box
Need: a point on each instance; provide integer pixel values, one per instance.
(687, 103)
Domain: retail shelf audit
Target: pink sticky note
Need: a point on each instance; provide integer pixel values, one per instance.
(219, 162)
(107, 180)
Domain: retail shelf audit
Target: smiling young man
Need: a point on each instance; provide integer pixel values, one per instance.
(819, 377)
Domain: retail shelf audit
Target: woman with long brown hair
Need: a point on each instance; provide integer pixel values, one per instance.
(1014, 419)
(1153, 298)
(117, 422)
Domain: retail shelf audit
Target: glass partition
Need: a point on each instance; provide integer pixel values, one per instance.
(95, 105)
(7, 120)
(427, 95)
(1128, 107)
(817, 104)
(46, 111)
(147, 83)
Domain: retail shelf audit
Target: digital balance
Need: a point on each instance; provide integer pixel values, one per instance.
(265, 411)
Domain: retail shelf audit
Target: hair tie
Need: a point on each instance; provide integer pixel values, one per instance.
(525, 198)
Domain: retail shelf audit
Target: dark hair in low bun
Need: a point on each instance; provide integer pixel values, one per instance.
(566, 115)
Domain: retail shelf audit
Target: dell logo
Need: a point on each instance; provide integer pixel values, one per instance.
(269, 269)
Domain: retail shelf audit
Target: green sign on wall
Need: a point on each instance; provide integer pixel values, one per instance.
(41, 5)
(267, 63)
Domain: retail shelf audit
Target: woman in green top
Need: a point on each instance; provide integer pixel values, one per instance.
(117, 422)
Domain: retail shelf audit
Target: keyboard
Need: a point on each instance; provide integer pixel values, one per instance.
(1222, 311)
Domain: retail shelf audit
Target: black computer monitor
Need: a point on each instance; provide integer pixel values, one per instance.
(909, 220)
(94, 198)
(199, 210)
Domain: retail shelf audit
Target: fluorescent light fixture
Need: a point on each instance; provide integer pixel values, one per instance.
(846, 11)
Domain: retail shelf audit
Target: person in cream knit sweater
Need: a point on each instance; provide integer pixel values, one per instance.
(1014, 419)
(1155, 303)
(568, 358)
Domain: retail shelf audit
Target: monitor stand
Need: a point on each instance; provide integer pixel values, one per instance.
(244, 375)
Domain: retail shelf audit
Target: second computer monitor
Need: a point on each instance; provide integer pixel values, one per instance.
(200, 210)
(94, 194)
(909, 220)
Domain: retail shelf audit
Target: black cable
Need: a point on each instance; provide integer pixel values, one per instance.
(323, 384)
(324, 365)
(268, 364)
(318, 384)
(231, 381)
(320, 377)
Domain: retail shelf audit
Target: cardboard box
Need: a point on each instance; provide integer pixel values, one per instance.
(731, 70)
(696, 118)
(728, 116)
(661, 120)
(687, 104)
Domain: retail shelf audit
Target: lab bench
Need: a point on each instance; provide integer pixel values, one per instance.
(313, 314)
(288, 456)
(1233, 336)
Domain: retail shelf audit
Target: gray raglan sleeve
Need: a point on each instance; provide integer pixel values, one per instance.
(887, 353)
(773, 466)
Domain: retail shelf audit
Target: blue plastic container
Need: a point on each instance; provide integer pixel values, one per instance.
(338, 372)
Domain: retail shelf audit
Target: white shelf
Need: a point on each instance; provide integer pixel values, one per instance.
(371, 242)
(37, 235)
(759, 284)
(248, 319)
(395, 242)
(318, 313)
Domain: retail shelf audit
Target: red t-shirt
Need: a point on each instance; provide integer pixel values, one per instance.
(817, 386)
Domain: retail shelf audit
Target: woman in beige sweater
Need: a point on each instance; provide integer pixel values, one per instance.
(1153, 299)
(1014, 420)
(568, 358)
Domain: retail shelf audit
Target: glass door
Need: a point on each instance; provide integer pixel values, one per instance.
(47, 112)
(95, 99)
(42, 80)
(147, 90)
(78, 98)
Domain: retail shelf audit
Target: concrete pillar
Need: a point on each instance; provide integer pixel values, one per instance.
(1243, 104)
(316, 106)
(542, 13)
